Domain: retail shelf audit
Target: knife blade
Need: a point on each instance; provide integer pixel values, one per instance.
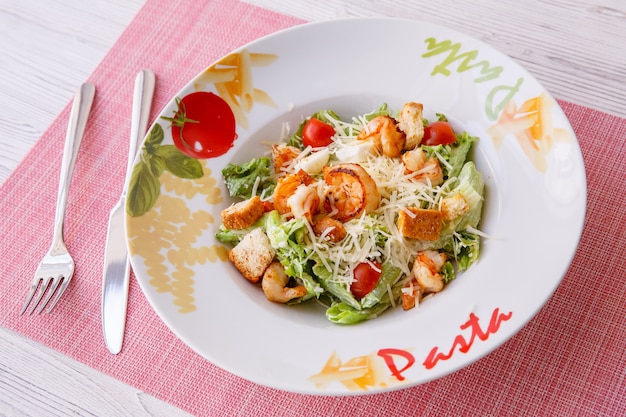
(116, 273)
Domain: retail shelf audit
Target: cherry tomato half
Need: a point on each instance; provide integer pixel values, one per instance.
(317, 133)
(365, 279)
(438, 133)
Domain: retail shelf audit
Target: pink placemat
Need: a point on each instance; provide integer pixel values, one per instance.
(569, 360)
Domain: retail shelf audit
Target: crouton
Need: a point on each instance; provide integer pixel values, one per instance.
(453, 207)
(411, 123)
(243, 214)
(420, 224)
(252, 255)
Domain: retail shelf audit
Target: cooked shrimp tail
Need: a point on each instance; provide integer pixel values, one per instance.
(274, 284)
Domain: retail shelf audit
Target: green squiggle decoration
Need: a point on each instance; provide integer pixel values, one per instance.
(466, 60)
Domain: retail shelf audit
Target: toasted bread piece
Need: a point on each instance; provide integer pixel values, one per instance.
(453, 207)
(421, 224)
(252, 255)
(243, 214)
(411, 123)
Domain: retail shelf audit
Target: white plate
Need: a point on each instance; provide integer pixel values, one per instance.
(535, 207)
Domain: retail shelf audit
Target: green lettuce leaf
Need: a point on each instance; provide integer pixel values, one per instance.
(230, 236)
(336, 289)
(343, 313)
(287, 239)
(383, 110)
(240, 178)
(388, 277)
(472, 187)
(454, 154)
(447, 272)
(465, 247)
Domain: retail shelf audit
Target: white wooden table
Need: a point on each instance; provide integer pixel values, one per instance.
(576, 48)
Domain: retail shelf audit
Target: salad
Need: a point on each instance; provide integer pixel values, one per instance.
(362, 215)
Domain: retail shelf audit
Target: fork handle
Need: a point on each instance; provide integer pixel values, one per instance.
(76, 127)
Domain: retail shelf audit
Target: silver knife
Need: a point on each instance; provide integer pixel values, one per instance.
(116, 260)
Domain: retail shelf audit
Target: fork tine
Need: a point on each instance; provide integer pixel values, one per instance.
(29, 297)
(64, 283)
(45, 282)
(51, 290)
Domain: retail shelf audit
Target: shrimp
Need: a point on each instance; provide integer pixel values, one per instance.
(426, 277)
(286, 187)
(423, 170)
(330, 228)
(411, 292)
(274, 285)
(387, 137)
(283, 155)
(426, 270)
(431, 172)
(413, 160)
(351, 191)
(304, 202)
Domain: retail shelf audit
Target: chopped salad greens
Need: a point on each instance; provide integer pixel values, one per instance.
(363, 215)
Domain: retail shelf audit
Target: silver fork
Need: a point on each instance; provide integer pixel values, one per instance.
(57, 267)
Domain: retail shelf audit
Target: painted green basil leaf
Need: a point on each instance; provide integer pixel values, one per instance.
(178, 163)
(143, 191)
(155, 138)
(144, 188)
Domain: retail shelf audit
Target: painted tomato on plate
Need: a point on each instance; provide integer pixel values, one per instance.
(203, 125)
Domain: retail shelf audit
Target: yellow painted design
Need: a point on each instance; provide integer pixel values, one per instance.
(532, 125)
(357, 374)
(207, 185)
(232, 77)
(169, 234)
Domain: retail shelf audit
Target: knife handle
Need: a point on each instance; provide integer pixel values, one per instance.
(142, 98)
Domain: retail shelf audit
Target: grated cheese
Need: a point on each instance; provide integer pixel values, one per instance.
(397, 191)
(480, 233)
(255, 187)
